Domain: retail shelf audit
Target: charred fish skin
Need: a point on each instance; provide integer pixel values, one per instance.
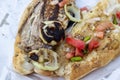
(49, 11)
(52, 12)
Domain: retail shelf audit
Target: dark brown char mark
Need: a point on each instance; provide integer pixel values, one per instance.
(54, 16)
(49, 12)
(43, 8)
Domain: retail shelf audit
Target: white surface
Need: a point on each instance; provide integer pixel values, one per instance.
(88, 3)
(8, 31)
(7, 35)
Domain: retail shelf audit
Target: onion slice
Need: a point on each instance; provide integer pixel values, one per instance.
(72, 9)
(52, 62)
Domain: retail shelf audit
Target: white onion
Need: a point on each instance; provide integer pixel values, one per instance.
(75, 11)
(51, 65)
(27, 66)
(117, 29)
(112, 9)
(93, 20)
(112, 6)
(54, 2)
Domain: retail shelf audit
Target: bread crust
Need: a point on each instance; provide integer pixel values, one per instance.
(80, 69)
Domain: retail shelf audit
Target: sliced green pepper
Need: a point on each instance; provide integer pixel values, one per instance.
(76, 59)
(115, 20)
(87, 38)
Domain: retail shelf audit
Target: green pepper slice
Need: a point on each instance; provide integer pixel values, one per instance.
(76, 59)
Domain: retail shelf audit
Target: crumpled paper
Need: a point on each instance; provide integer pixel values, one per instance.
(10, 16)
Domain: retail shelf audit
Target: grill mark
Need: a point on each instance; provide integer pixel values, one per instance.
(43, 8)
(55, 13)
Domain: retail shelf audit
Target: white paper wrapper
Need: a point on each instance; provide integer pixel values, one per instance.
(7, 36)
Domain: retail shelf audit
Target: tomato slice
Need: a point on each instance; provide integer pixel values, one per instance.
(84, 9)
(118, 14)
(78, 52)
(93, 44)
(62, 3)
(76, 43)
(100, 35)
(70, 55)
(103, 26)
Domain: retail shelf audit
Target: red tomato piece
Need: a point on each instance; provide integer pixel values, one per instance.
(118, 14)
(93, 44)
(69, 55)
(62, 3)
(100, 35)
(84, 9)
(78, 53)
(103, 26)
(76, 43)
